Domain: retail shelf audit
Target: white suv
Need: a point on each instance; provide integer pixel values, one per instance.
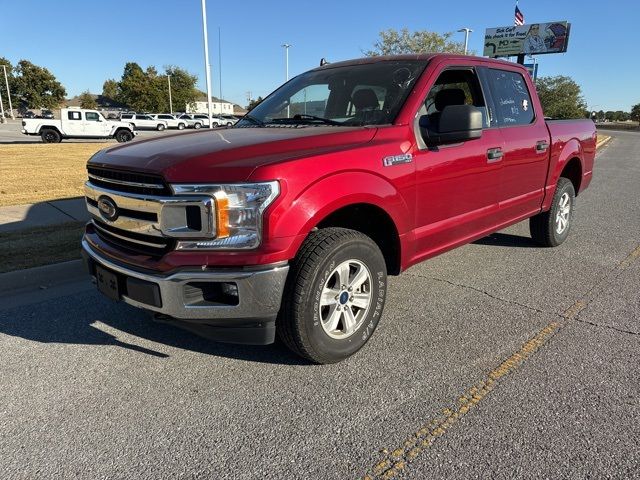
(172, 120)
(140, 122)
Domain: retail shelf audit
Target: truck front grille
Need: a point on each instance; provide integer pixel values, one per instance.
(135, 242)
(127, 182)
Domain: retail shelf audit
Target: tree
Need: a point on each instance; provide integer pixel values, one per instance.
(133, 87)
(635, 113)
(87, 101)
(561, 97)
(36, 86)
(394, 42)
(183, 89)
(110, 89)
(253, 103)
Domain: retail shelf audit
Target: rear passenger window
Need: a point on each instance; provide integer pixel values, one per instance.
(74, 115)
(511, 98)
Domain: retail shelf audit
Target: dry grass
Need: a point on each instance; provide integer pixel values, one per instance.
(40, 246)
(31, 173)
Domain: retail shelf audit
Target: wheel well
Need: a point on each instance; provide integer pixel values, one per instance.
(47, 127)
(373, 222)
(573, 171)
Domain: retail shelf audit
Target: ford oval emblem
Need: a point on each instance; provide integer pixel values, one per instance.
(108, 208)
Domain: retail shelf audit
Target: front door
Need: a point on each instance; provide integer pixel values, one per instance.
(456, 185)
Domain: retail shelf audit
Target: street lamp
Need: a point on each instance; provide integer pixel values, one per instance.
(6, 82)
(466, 31)
(286, 55)
(170, 102)
(207, 65)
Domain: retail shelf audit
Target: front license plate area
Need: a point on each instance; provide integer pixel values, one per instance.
(107, 283)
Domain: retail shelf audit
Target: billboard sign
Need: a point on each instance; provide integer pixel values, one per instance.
(531, 39)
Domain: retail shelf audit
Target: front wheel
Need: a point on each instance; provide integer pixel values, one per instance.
(123, 136)
(551, 228)
(197, 126)
(181, 126)
(334, 295)
(160, 127)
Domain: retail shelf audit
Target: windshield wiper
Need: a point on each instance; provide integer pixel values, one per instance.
(304, 118)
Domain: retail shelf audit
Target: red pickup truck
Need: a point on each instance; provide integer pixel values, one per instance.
(290, 221)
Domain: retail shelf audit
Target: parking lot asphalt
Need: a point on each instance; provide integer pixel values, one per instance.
(496, 360)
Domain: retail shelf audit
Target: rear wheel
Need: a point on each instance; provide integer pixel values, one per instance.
(229, 124)
(215, 125)
(160, 127)
(123, 136)
(334, 295)
(181, 126)
(49, 135)
(551, 228)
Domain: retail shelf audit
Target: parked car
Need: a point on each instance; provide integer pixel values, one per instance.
(77, 123)
(172, 121)
(191, 122)
(205, 120)
(46, 114)
(29, 114)
(142, 121)
(263, 230)
(228, 120)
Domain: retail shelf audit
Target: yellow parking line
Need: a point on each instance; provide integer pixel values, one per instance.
(422, 439)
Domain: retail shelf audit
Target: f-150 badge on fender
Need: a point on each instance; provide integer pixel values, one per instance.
(397, 159)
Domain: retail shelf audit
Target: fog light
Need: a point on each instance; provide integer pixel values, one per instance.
(230, 289)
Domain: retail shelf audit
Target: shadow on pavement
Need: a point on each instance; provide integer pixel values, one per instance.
(43, 214)
(507, 240)
(76, 320)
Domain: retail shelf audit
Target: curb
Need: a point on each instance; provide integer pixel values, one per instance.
(41, 277)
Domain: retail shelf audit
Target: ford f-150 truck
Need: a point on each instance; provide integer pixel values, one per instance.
(77, 123)
(290, 222)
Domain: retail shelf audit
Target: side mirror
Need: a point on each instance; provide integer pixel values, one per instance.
(457, 123)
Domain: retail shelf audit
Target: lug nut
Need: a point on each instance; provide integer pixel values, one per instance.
(350, 289)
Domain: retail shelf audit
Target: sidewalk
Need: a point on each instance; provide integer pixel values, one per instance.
(54, 212)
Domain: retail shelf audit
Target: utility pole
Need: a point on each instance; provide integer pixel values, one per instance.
(6, 82)
(207, 66)
(170, 102)
(220, 65)
(466, 31)
(2, 119)
(286, 55)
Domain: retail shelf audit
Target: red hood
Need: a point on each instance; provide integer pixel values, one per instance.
(227, 155)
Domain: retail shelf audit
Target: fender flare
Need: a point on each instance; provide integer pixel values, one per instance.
(571, 149)
(331, 193)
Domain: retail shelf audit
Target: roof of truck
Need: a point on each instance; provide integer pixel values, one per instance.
(420, 56)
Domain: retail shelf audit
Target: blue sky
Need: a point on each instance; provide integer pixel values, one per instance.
(84, 42)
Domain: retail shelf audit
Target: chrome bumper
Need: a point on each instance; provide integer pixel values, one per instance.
(259, 291)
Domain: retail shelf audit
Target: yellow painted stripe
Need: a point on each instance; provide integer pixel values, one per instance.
(396, 461)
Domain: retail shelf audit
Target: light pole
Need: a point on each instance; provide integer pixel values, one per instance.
(170, 102)
(207, 66)
(286, 56)
(2, 119)
(6, 82)
(466, 31)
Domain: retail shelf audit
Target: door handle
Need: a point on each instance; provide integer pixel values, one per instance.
(542, 146)
(494, 155)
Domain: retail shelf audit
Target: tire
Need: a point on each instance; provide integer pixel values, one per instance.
(215, 125)
(181, 126)
(551, 228)
(197, 125)
(160, 127)
(229, 124)
(123, 136)
(315, 323)
(50, 135)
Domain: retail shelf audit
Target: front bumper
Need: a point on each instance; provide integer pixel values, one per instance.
(192, 298)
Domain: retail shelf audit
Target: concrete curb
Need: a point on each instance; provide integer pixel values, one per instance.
(44, 277)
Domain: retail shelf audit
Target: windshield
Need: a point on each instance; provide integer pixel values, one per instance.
(368, 94)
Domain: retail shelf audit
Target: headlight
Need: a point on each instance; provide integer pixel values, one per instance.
(237, 216)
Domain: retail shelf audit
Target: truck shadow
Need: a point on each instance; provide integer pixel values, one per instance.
(16, 218)
(88, 319)
(507, 240)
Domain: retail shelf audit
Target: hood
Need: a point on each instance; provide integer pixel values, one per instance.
(227, 154)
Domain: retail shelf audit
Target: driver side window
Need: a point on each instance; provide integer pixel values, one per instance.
(454, 87)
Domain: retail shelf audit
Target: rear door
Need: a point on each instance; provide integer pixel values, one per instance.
(457, 184)
(74, 123)
(527, 141)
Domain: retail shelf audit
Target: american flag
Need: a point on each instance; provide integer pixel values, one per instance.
(519, 19)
